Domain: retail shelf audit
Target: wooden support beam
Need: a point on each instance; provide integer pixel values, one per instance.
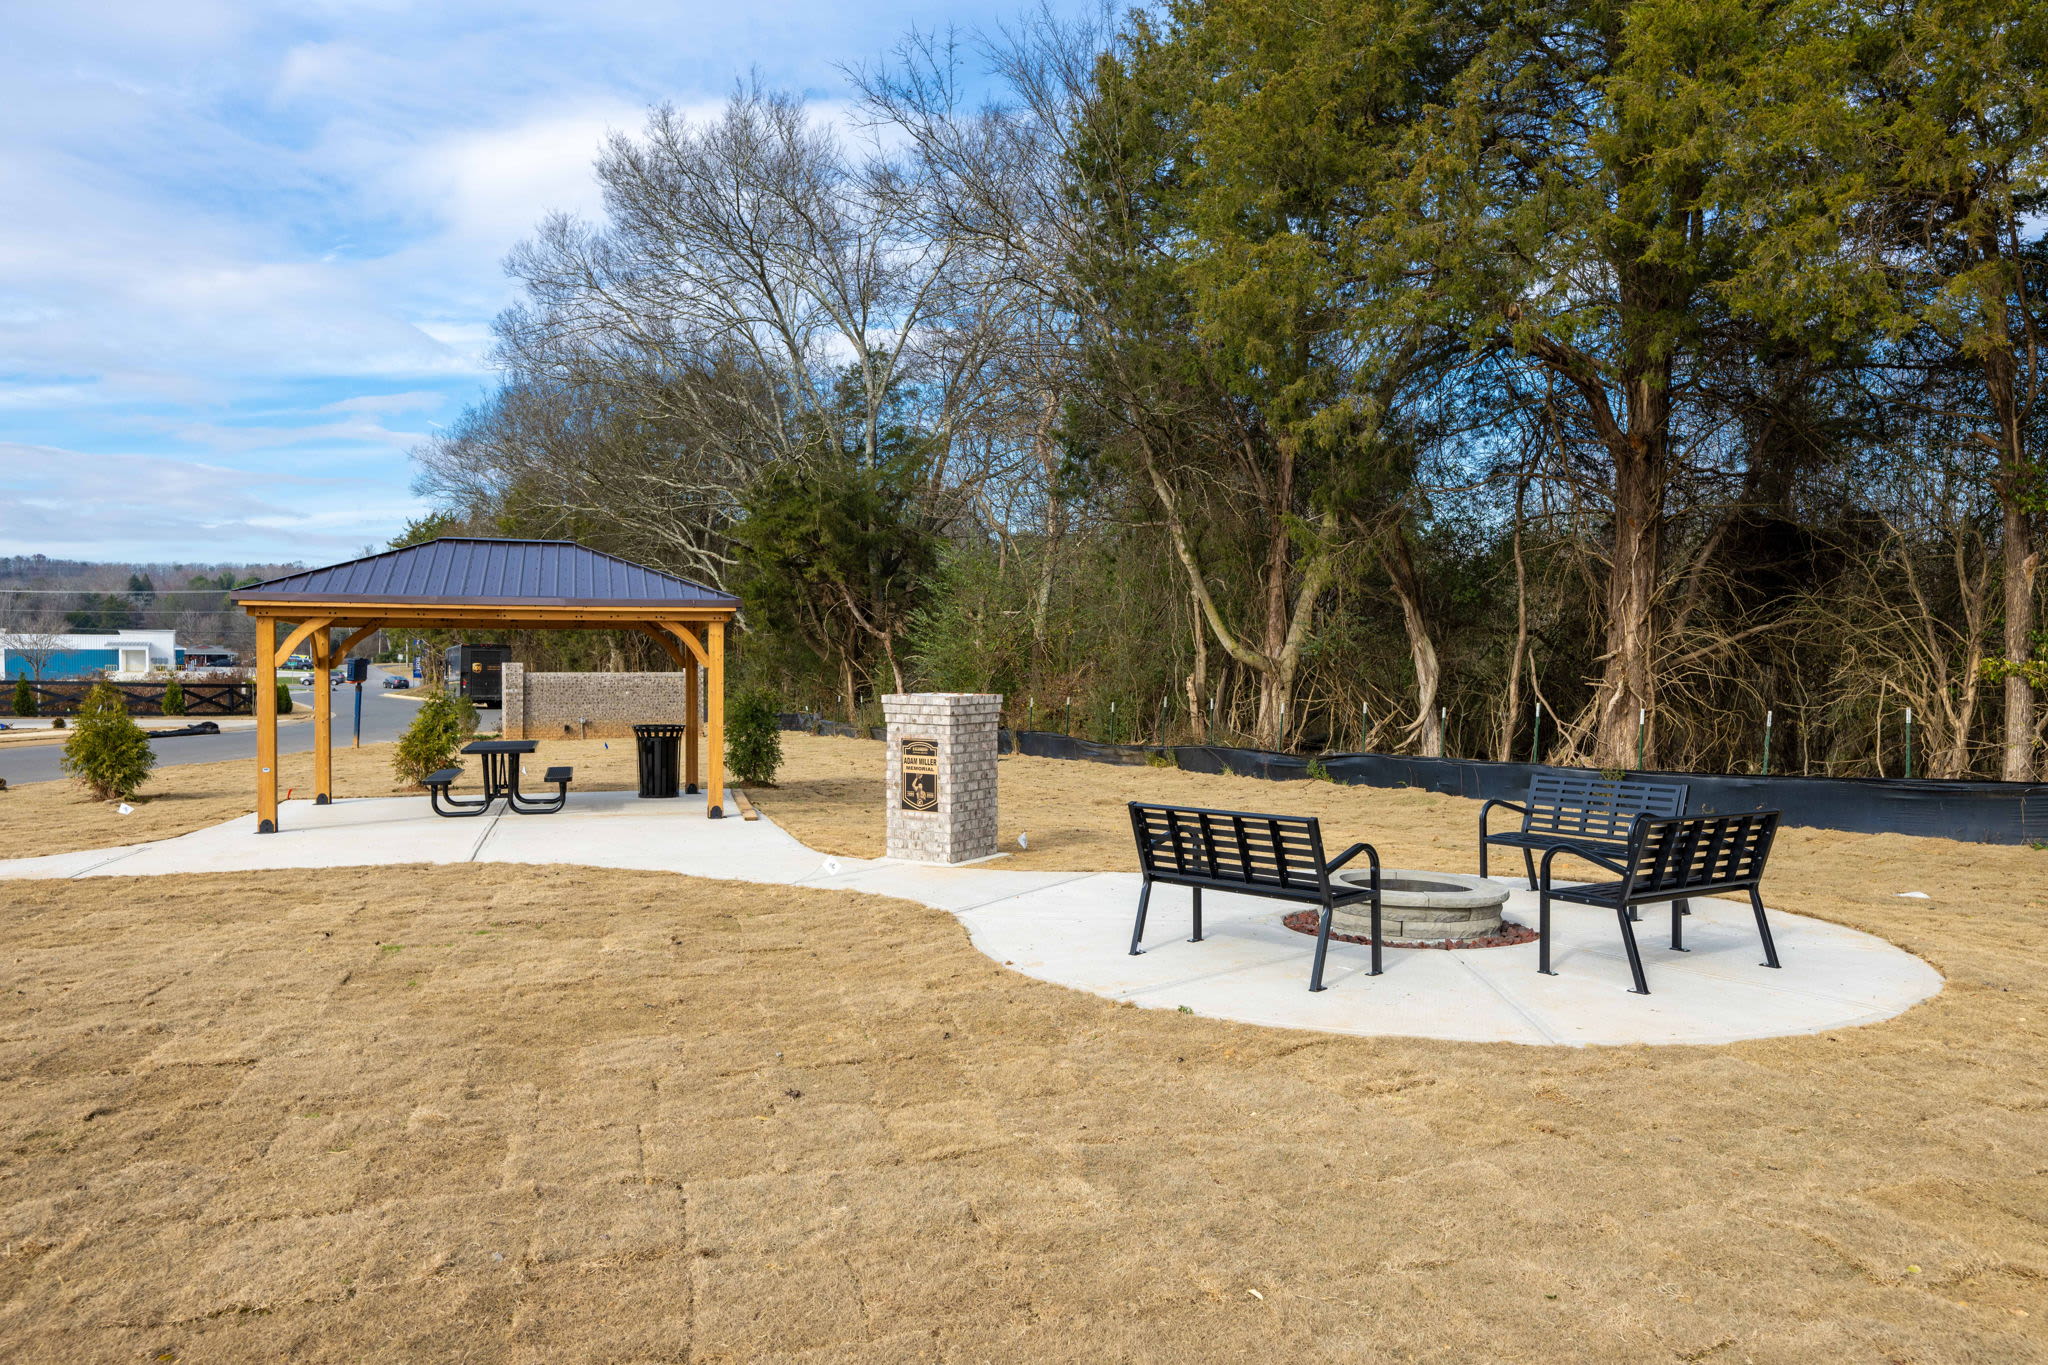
(266, 726)
(323, 717)
(341, 650)
(714, 721)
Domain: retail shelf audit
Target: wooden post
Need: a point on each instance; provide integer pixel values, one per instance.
(714, 720)
(693, 724)
(323, 717)
(266, 725)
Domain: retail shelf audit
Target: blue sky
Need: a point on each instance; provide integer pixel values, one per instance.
(250, 251)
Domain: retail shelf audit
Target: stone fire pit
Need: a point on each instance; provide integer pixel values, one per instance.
(1424, 907)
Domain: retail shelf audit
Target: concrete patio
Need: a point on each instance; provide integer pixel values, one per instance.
(1071, 928)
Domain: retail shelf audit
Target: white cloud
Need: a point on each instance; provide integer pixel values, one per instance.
(69, 502)
(264, 234)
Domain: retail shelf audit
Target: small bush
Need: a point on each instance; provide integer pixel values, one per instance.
(1318, 771)
(434, 739)
(1163, 758)
(174, 698)
(753, 738)
(284, 698)
(24, 698)
(108, 752)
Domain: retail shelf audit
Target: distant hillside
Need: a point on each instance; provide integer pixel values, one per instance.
(41, 593)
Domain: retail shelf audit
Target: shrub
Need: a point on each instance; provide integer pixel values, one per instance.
(174, 698)
(108, 752)
(753, 738)
(24, 698)
(435, 737)
(284, 698)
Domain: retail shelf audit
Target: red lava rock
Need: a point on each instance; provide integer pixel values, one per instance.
(1511, 934)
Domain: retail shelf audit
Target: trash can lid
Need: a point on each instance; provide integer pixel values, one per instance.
(658, 731)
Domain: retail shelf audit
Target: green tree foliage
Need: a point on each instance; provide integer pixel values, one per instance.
(98, 612)
(434, 740)
(24, 697)
(174, 698)
(108, 752)
(833, 556)
(753, 737)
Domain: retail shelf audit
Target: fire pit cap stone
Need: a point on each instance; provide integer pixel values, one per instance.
(1413, 890)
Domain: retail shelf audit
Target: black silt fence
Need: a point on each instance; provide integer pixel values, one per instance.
(1975, 812)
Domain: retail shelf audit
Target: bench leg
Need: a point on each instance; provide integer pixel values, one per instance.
(1678, 914)
(1543, 934)
(1198, 914)
(1529, 863)
(1315, 977)
(1375, 936)
(1628, 940)
(1763, 928)
(1138, 930)
(1482, 851)
(1684, 907)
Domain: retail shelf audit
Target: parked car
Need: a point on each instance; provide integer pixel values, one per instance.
(397, 682)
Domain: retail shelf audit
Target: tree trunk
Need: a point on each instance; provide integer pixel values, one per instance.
(1626, 688)
(1521, 649)
(2022, 565)
(1426, 733)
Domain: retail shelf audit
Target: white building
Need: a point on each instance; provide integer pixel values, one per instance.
(120, 654)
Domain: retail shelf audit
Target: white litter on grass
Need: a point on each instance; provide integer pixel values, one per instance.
(1914, 896)
(1024, 841)
(125, 808)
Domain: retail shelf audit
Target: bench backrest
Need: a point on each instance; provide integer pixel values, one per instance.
(1700, 851)
(1577, 805)
(1270, 852)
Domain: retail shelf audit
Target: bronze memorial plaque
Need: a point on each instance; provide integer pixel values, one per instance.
(920, 774)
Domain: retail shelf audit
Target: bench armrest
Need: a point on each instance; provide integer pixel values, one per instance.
(1618, 869)
(1511, 805)
(1372, 855)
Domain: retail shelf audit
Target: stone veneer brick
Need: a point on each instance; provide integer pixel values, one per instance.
(597, 705)
(963, 727)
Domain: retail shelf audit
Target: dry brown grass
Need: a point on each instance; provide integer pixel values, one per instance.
(506, 1114)
(498, 1114)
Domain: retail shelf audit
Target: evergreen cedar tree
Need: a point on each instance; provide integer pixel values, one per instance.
(108, 752)
(435, 738)
(753, 737)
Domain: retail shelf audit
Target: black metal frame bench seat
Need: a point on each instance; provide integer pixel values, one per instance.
(1250, 854)
(559, 778)
(437, 784)
(1579, 813)
(1670, 860)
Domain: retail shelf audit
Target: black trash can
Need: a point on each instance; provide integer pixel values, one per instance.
(661, 766)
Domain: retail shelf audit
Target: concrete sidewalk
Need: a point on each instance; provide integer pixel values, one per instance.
(1072, 928)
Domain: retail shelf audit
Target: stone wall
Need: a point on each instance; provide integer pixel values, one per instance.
(954, 734)
(592, 705)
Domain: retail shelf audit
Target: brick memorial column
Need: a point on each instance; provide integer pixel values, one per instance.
(941, 794)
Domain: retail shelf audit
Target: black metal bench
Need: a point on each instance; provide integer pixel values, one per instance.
(559, 778)
(1276, 856)
(1669, 860)
(437, 784)
(1579, 813)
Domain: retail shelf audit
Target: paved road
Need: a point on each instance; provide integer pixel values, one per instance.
(385, 716)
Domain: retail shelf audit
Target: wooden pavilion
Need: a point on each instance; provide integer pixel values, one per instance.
(461, 583)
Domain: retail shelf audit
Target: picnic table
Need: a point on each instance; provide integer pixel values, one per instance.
(501, 781)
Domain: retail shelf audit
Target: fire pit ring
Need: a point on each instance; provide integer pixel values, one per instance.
(1424, 907)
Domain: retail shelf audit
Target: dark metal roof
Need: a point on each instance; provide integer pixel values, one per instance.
(462, 571)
